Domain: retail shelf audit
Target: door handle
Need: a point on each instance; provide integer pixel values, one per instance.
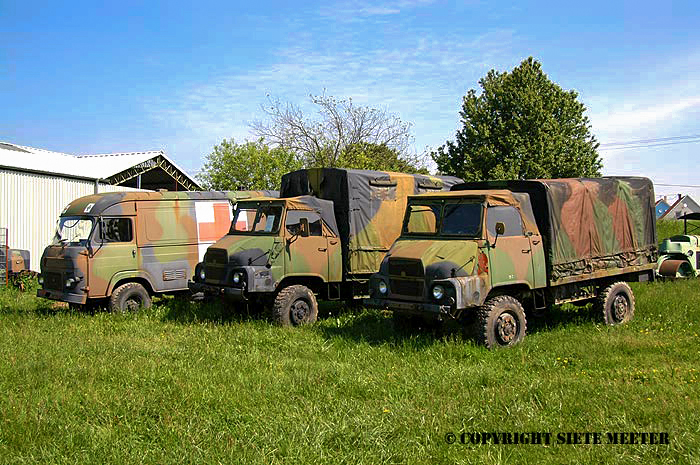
(535, 242)
(525, 251)
(333, 242)
(133, 253)
(322, 249)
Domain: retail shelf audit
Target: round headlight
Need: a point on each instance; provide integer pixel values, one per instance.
(237, 278)
(202, 274)
(382, 287)
(41, 279)
(438, 292)
(69, 282)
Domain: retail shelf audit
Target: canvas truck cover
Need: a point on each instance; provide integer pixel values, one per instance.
(324, 208)
(369, 207)
(589, 224)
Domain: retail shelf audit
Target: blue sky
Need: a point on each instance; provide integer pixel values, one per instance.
(86, 77)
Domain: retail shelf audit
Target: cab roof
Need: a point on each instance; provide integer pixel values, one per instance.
(97, 203)
(492, 196)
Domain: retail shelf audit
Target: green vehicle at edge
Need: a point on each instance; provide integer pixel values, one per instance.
(488, 252)
(325, 236)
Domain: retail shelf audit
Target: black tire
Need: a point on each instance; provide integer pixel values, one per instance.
(616, 304)
(501, 322)
(294, 306)
(129, 297)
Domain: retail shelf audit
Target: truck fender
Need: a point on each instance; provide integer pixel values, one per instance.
(513, 288)
(134, 275)
(470, 291)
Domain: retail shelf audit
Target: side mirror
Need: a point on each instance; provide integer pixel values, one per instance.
(304, 227)
(500, 229)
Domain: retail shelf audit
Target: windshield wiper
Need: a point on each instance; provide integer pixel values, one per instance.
(455, 270)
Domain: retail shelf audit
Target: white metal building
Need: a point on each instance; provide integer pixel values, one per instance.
(36, 185)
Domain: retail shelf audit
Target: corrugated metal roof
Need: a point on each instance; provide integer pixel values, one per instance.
(99, 166)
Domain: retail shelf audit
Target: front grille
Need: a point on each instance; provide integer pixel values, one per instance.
(407, 287)
(216, 257)
(215, 273)
(405, 267)
(53, 281)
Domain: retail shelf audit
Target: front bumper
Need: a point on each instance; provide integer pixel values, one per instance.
(233, 293)
(417, 308)
(62, 296)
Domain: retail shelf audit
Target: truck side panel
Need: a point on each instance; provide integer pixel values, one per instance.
(369, 208)
(590, 227)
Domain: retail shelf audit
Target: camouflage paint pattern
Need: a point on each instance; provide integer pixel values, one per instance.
(265, 259)
(369, 207)
(467, 267)
(572, 230)
(590, 226)
(361, 211)
(166, 237)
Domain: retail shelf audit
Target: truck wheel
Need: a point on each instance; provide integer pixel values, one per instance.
(616, 303)
(129, 297)
(295, 305)
(501, 322)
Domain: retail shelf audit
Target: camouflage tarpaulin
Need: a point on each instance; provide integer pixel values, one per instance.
(369, 207)
(590, 224)
(324, 208)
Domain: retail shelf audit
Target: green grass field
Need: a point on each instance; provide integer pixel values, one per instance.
(181, 384)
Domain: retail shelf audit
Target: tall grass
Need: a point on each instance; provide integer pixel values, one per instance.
(668, 228)
(182, 384)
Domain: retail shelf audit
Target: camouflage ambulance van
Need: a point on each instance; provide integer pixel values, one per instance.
(325, 236)
(486, 252)
(120, 249)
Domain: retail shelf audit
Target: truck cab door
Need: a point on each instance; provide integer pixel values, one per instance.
(511, 259)
(305, 255)
(114, 250)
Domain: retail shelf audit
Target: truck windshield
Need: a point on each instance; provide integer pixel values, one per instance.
(423, 219)
(262, 219)
(449, 218)
(461, 219)
(73, 230)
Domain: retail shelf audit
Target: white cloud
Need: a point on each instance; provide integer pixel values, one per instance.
(637, 118)
(356, 11)
(421, 77)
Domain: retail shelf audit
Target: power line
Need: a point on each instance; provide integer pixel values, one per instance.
(646, 141)
(651, 145)
(676, 185)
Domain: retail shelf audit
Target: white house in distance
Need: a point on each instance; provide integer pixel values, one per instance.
(36, 185)
(683, 204)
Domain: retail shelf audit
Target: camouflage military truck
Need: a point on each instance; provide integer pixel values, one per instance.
(325, 236)
(122, 248)
(486, 252)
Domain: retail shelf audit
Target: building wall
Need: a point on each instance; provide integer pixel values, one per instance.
(31, 203)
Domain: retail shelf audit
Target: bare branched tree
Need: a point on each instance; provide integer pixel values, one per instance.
(338, 126)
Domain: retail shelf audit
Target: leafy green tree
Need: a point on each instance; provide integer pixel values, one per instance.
(521, 126)
(378, 157)
(248, 166)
